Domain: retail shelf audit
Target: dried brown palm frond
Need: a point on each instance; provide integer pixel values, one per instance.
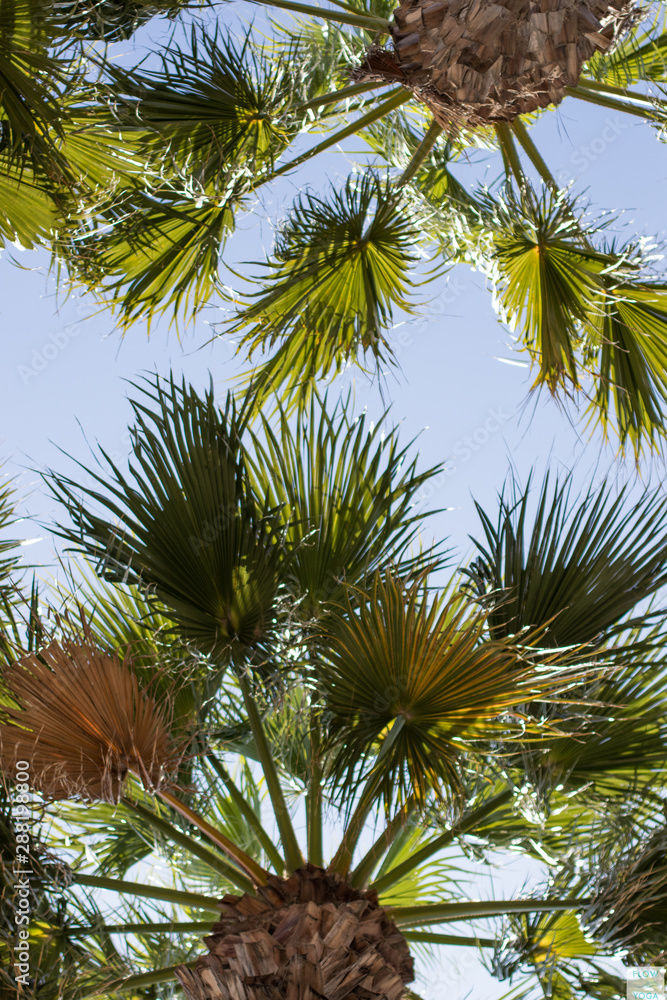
(78, 716)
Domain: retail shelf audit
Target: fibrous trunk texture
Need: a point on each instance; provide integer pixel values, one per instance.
(475, 62)
(308, 937)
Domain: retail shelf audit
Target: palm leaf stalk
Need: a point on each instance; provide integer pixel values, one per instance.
(414, 713)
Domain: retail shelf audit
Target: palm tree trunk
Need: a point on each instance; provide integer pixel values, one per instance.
(307, 936)
(475, 63)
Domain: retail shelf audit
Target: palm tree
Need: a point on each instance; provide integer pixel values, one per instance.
(135, 177)
(270, 689)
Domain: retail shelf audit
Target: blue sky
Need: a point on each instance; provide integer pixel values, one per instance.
(459, 388)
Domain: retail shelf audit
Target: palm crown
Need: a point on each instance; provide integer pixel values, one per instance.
(135, 177)
(263, 643)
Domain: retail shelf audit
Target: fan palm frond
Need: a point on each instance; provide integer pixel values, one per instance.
(640, 56)
(31, 77)
(327, 50)
(563, 569)
(160, 254)
(629, 889)
(618, 745)
(398, 136)
(9, 558)
(27, 212)
(345, 490)
(184, 523)
(409, 684)
(12, 599)
(580, 308)
(78, 716)
(547, 280)
(341, 266)
(113, 20)
(543, 940)
(631, 387)
(440, 878)
(112, 835)
(215, 103)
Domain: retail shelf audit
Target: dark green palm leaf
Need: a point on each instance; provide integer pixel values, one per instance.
(345, 491)
(615, 754)
(184, 523)
(579, 564)
(628, 883)
(31, 78)
(113, 20)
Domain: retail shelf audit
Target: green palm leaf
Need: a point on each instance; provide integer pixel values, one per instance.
(12, 599)
(397, 138)
(641, 55)
(327, 50)
(438, 879)
(345, 491)
(614, 755)
(631, 384)
(68, 173)
(341, 266)
(184, 523)
(627, 880)
(113, 20)
(579, 568)
(161, 255)
(56, 958)
(580, 308)
(204, 131)
(409, 684)
(27, 212)
(113, 837)
(215, 104)
(100, 161)
(543, 940)
(9, 559)
(31, 78)
(555, 950)
(547, 279)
